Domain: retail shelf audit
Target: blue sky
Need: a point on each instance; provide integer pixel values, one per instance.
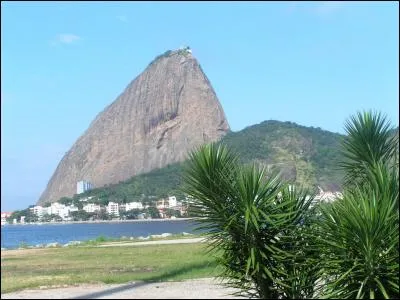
(63, 62)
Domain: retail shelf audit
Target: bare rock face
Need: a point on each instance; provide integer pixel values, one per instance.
(163, 114)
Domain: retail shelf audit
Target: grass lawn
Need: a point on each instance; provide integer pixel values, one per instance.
(32, 268)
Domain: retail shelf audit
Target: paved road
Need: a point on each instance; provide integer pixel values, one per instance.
(206, 288)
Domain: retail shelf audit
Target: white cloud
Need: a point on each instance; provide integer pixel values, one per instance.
(123, 19)
(65, 38)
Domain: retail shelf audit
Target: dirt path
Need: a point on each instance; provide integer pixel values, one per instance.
(207, 288)
(162, 242)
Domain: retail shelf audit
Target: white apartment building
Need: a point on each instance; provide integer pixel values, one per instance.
(91, 208)
(66, 211)
(172, 201)
(113, 208)
(163, 203)
(38, 210)
(55, 209)
(83, 186)
(133, 205)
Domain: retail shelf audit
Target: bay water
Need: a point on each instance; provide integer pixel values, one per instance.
(13, 236)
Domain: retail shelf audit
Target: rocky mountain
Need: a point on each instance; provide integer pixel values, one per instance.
(162, 114)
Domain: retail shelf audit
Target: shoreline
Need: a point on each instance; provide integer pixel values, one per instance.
(55, 242)
(99, 221)
(164, 238)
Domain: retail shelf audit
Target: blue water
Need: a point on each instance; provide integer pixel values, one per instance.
(13, 235)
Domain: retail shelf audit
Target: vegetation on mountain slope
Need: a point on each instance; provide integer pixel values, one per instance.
(305, 155)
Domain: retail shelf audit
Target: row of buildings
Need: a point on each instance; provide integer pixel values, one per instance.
(55, 208)
(162, 205)
(64, 211)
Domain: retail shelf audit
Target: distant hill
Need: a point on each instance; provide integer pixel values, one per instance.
(305, 155)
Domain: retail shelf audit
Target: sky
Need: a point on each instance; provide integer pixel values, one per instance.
(62, 63)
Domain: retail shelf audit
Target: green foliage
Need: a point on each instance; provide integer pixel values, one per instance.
(255, 220)
(101, 239)
(172, 213)
(65, 201)
(102, 214)
(80, 215)
(370, 141)
(274, 246)
(152, 212)
(50, 218)
(29, 216)
(131, 214)
(359, 235)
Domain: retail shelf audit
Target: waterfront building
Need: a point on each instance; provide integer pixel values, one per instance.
(66, 211)
(133, 205)
(38, 210)
(55, 209)
(91, 207)
(113, 208)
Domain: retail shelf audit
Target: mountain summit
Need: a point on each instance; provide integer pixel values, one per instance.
(163, 114)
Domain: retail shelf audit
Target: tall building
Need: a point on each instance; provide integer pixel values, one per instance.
(83, 186)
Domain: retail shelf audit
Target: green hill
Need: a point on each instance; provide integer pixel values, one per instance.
(304, 155)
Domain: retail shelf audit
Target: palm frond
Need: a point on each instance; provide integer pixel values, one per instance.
(369, 141)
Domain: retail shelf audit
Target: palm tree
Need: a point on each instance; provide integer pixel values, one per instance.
(359, 234)
(254, 224)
